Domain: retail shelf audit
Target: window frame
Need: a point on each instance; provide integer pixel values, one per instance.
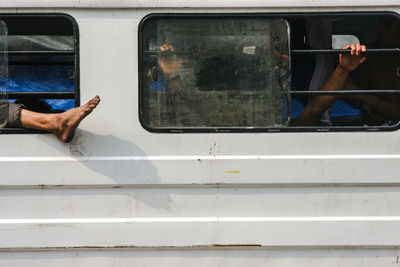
(250, 129)
(76, 62)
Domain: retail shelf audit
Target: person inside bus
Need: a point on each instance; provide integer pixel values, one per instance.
(63, 125)
(379, 72)
(311, 114)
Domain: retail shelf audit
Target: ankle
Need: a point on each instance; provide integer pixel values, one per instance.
(56, 122)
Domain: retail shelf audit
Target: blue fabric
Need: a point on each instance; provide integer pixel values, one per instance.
(160, 85)
(341, 108)
(43, 78)
(297, 108)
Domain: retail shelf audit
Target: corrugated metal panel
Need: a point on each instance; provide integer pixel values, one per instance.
(205, 257)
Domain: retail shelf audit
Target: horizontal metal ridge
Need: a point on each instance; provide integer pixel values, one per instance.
(194, 185)
(201, 247)
(196, 157)
(201, 219)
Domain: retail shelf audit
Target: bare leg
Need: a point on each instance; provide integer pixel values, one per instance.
(63, 125)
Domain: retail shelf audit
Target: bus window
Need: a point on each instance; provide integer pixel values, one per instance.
(267, 72)
(42, 61)
(215, 72)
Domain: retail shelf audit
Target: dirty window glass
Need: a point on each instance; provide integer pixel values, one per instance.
(214, 72)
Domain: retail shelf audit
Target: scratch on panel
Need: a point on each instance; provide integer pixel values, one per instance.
(230, 246)
(100, 248)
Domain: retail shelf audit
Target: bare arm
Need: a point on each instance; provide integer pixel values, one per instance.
(320, 103)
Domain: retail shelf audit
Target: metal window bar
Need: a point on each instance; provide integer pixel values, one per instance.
(344, 51)
(17, 57)
(346, 92)
(42, 52)
(42, 95)
(35, 63)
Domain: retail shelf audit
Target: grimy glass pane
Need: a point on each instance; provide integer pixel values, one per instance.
(3, 74)
(215, 72)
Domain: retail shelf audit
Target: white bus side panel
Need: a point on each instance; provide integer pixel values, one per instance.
(118, 195)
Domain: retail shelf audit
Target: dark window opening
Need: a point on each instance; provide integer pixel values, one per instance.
(379, 32)
(41, 53)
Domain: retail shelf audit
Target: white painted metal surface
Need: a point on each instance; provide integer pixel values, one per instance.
(121, 196)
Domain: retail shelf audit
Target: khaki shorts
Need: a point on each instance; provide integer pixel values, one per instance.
(14, 112)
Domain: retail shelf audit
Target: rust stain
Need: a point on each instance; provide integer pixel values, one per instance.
(42, 186)
(229, 245)
(232, 172)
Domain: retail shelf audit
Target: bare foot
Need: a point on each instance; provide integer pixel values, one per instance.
(68, 121)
